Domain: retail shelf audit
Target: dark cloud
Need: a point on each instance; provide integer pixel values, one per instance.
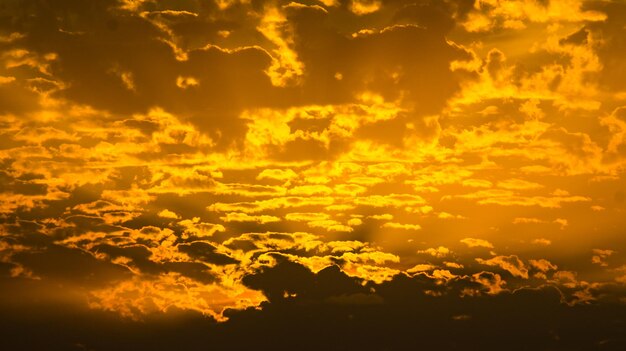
(610, 35)
(16, 98)
(406, 58)
(124, 62)
(205, 252)
(402, 317)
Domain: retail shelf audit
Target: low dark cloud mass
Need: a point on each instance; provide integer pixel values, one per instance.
(329, 310)
(312, 175)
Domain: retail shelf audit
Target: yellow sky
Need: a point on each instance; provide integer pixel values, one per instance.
(154, 154)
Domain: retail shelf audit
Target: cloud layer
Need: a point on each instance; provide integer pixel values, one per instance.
(331, 168)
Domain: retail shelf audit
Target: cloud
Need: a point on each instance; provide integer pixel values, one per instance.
(393, 200)
(278, 174)
(517, 15)
(438, 252)
(600, 256)
(243, 217)
(205, 252)
(168, 214)
(172, 173)
(541, 241)
(509, 198)
(511, 264)
(473, 242)
(406, 226)
(172, 291)
(543, 265)
(492, 282)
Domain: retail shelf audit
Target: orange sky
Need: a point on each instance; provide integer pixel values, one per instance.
(168, 157)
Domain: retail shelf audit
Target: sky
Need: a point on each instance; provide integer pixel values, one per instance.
(313, 175)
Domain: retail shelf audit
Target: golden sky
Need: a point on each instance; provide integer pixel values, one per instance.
(198, 170)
